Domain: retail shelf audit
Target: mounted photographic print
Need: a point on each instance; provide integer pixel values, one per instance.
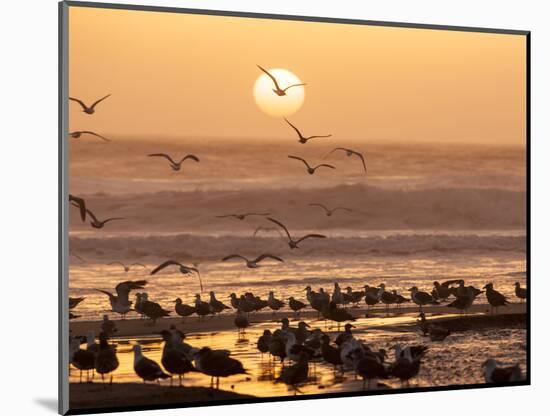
(265, 207)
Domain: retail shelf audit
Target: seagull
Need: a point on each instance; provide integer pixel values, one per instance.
(243, 216)
(202, 308)
(328, 211)
(421, 298)
(274, 303)
(494, 297)
(399, 299)
(241, 321)
(82, 359)
(173, 360)
(295, 305)
(387, 298)
(183, 269)
(145, 368)
(303, 139)
(277, 90)
(463, 302)
(407, 363)
(372, 295)
(126, 267)
(215, 305)
(184, 310)
(106, 360)
(344, 336)
(89, 110)
(80, 204)
(494, 374)
(108, 327)
(253, 264)
(521, 292)
(333, 313)
(368, 366)
(263, 342)
(217, 364)
(311, 170)
(120, 302)
(77, 134)
(153, 310)
(330, 353)
(350, 152)
(354, 296)
(294, 243)
(173, 164)
(294, 349)
(73, 302)
(337, 296)
(95, 223)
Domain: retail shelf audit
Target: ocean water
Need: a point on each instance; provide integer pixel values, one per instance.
(421, 213)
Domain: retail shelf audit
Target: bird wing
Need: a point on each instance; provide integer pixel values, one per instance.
(295, 128)
(123, 288)
(267, 256)
(106, 293)
(270, 76)
(95, 134)
(81, 205)
(113, 219)
(360, 156)
(323, 165)
(234, 256)
(79, 102)
(334, 150)
(165, 264)
(162, 155)
(311, 236)
(91, 214)
(280, 224)
(299, 158)
(100, 100)
(137, 264)
(318, 137)
(257, 213)
(293, 85)
(116, 262)
(319, 205)
(192, 157)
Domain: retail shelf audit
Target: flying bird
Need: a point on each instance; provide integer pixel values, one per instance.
(183, 269)
(243, 216)
(173, 164)
(126, 267)
(100, 224)
(80, 204)
(266, 229)
(311, 170)
(294, 243)
(350, 152)
(303, 139)
(253, 264)
(329, 211)
(89, 110)
(77, 134)
(277, 90)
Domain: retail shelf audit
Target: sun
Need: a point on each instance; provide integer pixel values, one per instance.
(273, 104)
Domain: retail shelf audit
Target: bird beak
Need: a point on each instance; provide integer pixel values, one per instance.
(352, 326)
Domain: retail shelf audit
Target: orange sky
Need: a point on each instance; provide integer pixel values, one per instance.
(177, 75)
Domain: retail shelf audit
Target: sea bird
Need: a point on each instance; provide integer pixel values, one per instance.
(494, 297)
(77, 134)
(303, 139)
(153, 310)
(295, 374)
(350, 152)
(89, 110)
(120, 302)
(183, 269)
(216, 306)
(311, 170)
(494, 374)
(253, 264)
(217, 364)
(421, 298)
(145, 368)
(344, 336)
(274, 303)
(74, 302)
(126, 267)
(95, 223)
(176, 166)
(202, 308)
(108, 327)
(295, 305)
(329, 211)
(330, 353)
(294, 243)
(82, 359)
(106, 360)
(368, 366)
(80, 204)
(263, 341)
(244, 215)
(241, 321)
(184, 310)
(173, 360)
(277, 90)
(521, 292)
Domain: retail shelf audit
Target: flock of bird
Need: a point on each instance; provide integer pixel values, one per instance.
(300, 345)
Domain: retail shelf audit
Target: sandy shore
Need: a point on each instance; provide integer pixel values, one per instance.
(138, 327)
(96, 395)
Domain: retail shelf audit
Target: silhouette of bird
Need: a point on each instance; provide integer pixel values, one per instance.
(274, 303)
(263, 341)
(95, 223)
(216, 306)
(521, 292)
(73, 302)
(294, 243)
(350, 152)
(494, 374)
(126, 267)
(145, 368)
(183, 269)
(295, 305)
(243, 216)
(241, 321)
(81, 359)
(108, 327)
(494, 297)
(311, 170)
(176, 166)
(80, 204)
(421, 298)
(303, 139)
(79, 133)
(344, 336)
(89, 110)
(368, 366)
(217, 364)
(202, 308)
(120, 302)
(153, 310)
(253, 264)
(329, 211)
(277, 90)
(184, 310)
(106, 360)
(174, 360)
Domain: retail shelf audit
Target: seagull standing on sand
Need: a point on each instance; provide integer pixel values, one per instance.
(421, 298)
(301, 138)
(202, 308)
(350, 152)
(277, 90)
(173, 360)
(217, 364)
(521, 292)
(295, 305)
(82, 359)
(106, 360)
(91, 109)
(79, 133)
(176, 166)
(184, 310)
(294, 243)
(125, 267)
(494, 374)
(120, 302)
(216, 306)
(145, 368)
(183, 269)
(153, 310)
(494, 297)
(253, 264)
(329, 211)
(344, 336)
(311, 169)
(274, 303)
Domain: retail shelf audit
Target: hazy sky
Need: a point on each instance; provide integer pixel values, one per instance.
(188, 75)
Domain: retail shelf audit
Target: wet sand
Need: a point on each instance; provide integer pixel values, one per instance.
(224, 322)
